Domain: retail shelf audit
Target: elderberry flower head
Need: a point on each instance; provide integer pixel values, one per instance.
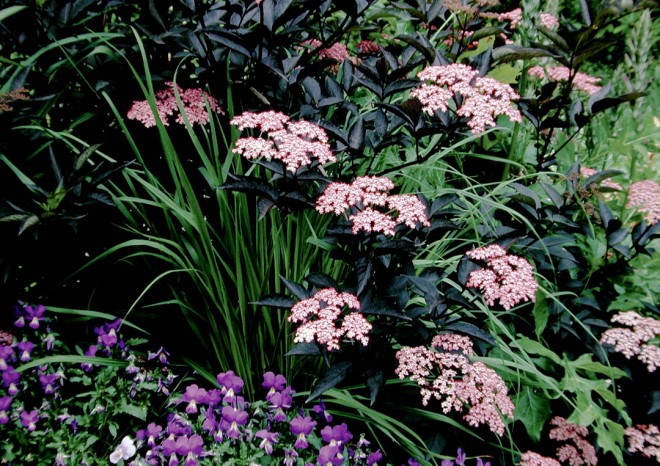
(296, 144)
(644, 439)
(194, 102)
(484, 98)
(581, 451)
(448, 375)
(507, 278)
(645, 197)
(318, 317)
(633, 341)
(531, 458)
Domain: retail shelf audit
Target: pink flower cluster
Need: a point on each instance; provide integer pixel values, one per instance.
(514, 17)
(587, 172)
(634, 341)
(548, 21)
(507, 278)
(336, 52)
(645, 196)
(534, 459)
(447, 374)
(581, 81)
(644, 439)
(484, 98)
(320, 314)
(581, 452)
(295, 143)
(365, 193)
(194, 106)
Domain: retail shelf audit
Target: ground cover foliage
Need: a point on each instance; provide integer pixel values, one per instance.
(436, 220)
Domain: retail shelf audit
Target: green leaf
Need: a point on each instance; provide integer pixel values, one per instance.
(12, 10)
(540, 313)
(534, 347)
(609, 436)
(509, 53)
(139, 412)
(533, 410)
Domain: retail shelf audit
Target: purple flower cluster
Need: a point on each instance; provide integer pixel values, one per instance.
(461, 459)
(211, 422)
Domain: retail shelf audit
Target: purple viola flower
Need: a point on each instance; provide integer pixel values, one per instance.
(10, 379)
(321, 411)
(273, 383)
(481, 463)
(30, 419)
(6, 357)
(48, 382)
(5, 403)
(161, 354)
(194, 395)
(230, 384)
(34, 315)
(214, 397)
(336, 435)
(151, 433)
(267, 440)
(49, 339)
(290, 456)
(25, 349)
(189, 446)
(232, 418)
(413, 462)
(447, 463)
(302, 427)
(330, 455)
(374, 458)
(91, 352)
(460, 458)
(178, 426)
(281, 402)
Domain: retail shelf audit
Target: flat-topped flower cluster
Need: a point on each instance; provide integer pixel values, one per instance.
(636, 340)
(295, 143)
(194, 103)
(323, 320)
(483, 98)
(445, 372)
(363, 195)
(507, 278)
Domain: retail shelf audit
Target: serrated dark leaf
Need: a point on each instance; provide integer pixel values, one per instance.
(230, 41)
(375, 382)
(465, 267)
(509, 53)
(356, 136)
(400, 86)
(471, 330)
(426, 287)
(556, 39)
(332, 376)
(252, 186)
(304, 349)
(277, 301)
(321, 280)
(610, 102)
(363, 269)
(313, 88)
(296, 289)
(525, 194)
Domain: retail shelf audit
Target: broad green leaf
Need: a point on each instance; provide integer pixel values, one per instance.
(609, 436)
(533, 410)
(139, 412)
(540, 313)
